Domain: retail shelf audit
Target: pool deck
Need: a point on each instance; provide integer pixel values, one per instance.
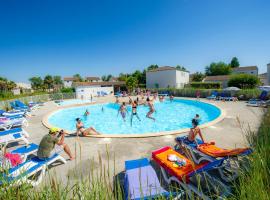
(226, 133)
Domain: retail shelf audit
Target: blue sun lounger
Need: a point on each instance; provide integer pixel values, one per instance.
(258, 102)
(213, 96)
(13, 137)
(14, 130)
(32, 167)
(141, 181)
(11, 113)
(26, 150)
(8, 124)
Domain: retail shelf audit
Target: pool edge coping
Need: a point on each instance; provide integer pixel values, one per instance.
(222, 115)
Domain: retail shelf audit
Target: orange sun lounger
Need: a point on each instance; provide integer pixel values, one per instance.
(212, 150)
(183, 174)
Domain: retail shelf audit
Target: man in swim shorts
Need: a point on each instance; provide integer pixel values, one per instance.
(123, 111)
(151, 109)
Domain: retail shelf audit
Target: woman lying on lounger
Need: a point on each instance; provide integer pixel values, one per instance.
(85, 131)
(191, 138)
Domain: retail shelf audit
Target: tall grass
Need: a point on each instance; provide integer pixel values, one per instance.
(254, 183)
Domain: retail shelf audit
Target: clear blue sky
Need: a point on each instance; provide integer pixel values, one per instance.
(100, 37)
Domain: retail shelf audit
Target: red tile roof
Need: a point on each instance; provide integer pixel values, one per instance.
(89, 78)
(70, 79)
(104, 83)
(217, 78)
(165, 68)
(247, 68)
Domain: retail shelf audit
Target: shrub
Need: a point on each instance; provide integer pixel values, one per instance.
(243, 81)
(205, 85)
(67, 90)
(245, 94)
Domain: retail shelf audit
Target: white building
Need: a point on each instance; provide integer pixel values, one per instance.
(164, 77)
(84, 90)
(253, 70)
(68, 81)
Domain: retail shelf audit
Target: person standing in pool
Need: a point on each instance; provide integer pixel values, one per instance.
(171, 98)
(134, 105)
(86, 113)
(84, 131)
(123, 111)
(151, 109)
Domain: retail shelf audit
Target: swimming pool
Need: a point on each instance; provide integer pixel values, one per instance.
(169, 116)
(72, 101)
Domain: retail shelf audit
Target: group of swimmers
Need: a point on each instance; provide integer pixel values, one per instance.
(134, 104)
(123, 111)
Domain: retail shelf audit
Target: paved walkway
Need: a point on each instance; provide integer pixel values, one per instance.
(227, 134)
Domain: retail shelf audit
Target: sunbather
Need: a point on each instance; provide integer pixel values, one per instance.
(53, 143)
(191, 138)
(84, 131)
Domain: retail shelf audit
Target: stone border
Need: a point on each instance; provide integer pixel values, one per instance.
(222, 115)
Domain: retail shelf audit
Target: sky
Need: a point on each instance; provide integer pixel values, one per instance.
(93, 38)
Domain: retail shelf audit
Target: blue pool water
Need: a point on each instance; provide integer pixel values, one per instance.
(169, 116)
(73, 101)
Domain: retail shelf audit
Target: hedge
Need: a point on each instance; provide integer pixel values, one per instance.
(244, 94)
(205, 85)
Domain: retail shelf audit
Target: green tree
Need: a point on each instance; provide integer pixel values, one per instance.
(197, 77)
(109, 77)
(138, 75)
(143, 80)
(36, 82)
(219, 68)
(78, 77)
(48, 82)
(234, 63)
(131, 83)
(103, 78)
(151, 67)
(58, 83)
(244, 81)
(11, 85)
(180, 68)
(122, 77)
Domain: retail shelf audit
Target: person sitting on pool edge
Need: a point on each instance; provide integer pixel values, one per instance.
(81, 129)
(191, 138)
(53, 143)
(197, 117)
